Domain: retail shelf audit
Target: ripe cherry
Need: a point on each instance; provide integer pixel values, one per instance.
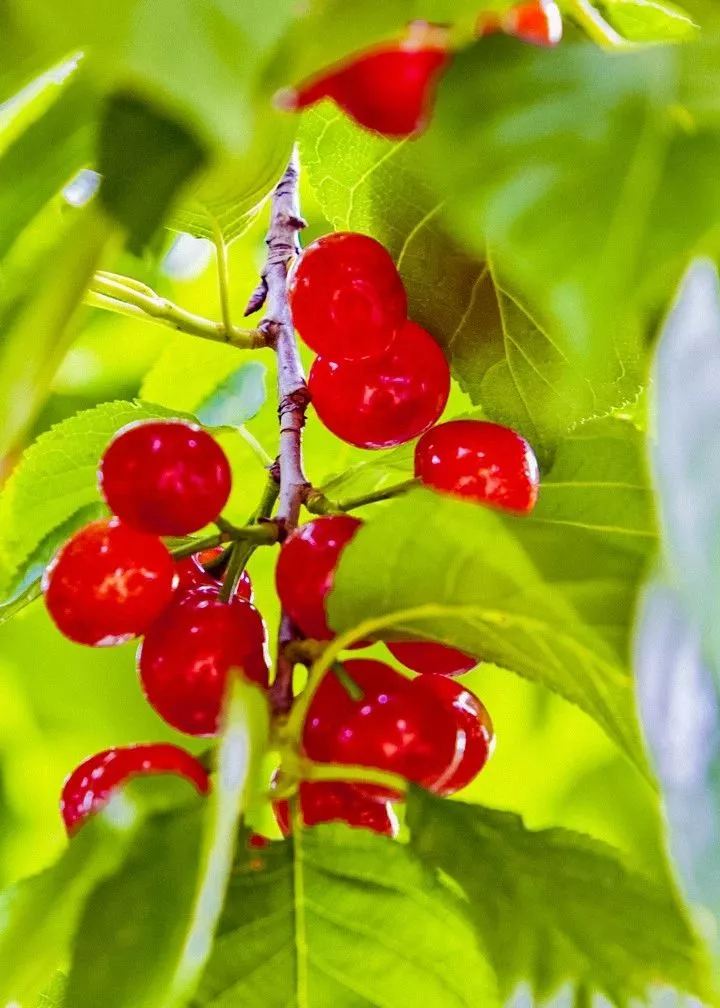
(167, 477)
(538, 22)
(347, 298)
(387, 401)
(389, 89)
(336, 801)
(186, 657)
(483, 461)
(476, 737)
(430, 657)
(385, 724)
(206, 570)
(108, 584)
(89, 786)
(306, 568)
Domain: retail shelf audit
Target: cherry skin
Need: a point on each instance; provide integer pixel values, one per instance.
(108, 583)
(336, 801)
(306, 568)
(475, 729)
(429, 657)
(389, 89)
(186, 657)
(387, 724)
(387, 401)
(483, 461)
(200, 571)
(89, 786)
(538, 22)
(167, 477)
(347, 299)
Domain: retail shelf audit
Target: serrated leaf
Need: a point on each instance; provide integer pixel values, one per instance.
(474, 586)
(177, 871)
(56, 481)
(498, 350)
(592, 270)
(236, 399)
(554, 906)
(648, 20)
(342, 917)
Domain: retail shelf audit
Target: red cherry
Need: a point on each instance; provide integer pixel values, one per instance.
(331, 801)
(387, 401)
(483, 461)
(538, 22)
(389, 89)
(476, 736)
(347, 298)
(428, 657)
(108, 584)
(167, 477)
(186, 657)
(389, 726)
(306, 567)
(199, 571)
(88, 787)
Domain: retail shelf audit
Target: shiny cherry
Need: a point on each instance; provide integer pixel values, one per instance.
(387, 401)
(428, 656)
(347, 299)
(538, 22)
(476, 737)
(89, 786)
(336, 801)
(186, 657)
(167, 477)
(206, 570)
(389, 89)
(306, 568)
(483, 461)
(385, 723)
(108, 584)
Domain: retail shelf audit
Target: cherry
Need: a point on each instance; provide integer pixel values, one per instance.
(186, 657)
(108, 583)
(429, 657)
(475, 730)
(347, 298)
(306, 568)
(386, 724)
(483, 461)
(389, 89)
(386, 401)
(206, 570)
(538, 22)
(88, 787)
(336, 801)
(167, 477)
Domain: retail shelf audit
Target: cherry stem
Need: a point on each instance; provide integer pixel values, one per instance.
(264, 533)
(317, 503)
(339, 772)
(595, 26)
(283, 245)
(240, 553)
(197, 546)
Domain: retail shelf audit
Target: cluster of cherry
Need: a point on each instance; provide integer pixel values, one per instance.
(414, 66)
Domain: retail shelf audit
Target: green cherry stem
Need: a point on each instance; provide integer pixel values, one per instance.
(307, 770)
(197, 546)
(317, 503)
(595, 26)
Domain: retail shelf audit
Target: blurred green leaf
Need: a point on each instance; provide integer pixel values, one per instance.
(55, 485)
(145, 159)
(343, 917)
(648, 20)
(478, 589)
(555, 906)
(237, 399)
(53, 995)
(498, 351)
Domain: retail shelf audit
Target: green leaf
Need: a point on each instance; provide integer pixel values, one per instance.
(648, 20)
(238, 398)
(44, 140)
(473, 585)
(54, 488)
(53, 995)
(591, 269)
(177, 871)
(145, 159)
(36, 325)
(342, 917)
(498, 351)
(554, 906)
